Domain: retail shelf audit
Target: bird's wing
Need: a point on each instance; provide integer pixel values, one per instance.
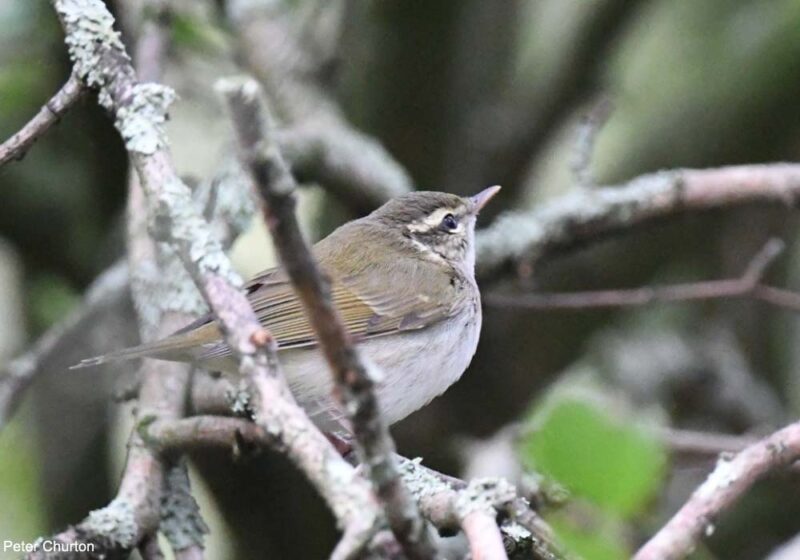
(367, 310)
(375, 292)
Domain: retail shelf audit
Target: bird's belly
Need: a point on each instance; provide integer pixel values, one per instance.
(415, 367)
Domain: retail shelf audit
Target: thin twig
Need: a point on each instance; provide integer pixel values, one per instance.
(727, 483)
(355, 384)
(16, 146)
(690, 442)
(748, 285)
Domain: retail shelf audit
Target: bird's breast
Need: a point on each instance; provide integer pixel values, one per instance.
(422, 364)
(415, 366)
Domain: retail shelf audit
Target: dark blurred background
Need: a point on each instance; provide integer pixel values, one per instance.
(464, 94)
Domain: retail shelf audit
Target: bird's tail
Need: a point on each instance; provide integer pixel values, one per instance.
(174, 348)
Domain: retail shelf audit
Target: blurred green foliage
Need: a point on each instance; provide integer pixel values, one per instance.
(51, 299)
(22, 514)
(196, 34)
(611, 465)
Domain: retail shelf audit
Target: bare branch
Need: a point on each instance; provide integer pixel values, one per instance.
(181, 522)
(688, 442)
(732, 477)
(444, 500)
(588, 216)
(16, 146)
(355, 384)
(485, 540)
(140, 111)
(746, 286)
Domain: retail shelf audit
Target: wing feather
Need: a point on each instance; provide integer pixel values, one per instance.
(365, 290)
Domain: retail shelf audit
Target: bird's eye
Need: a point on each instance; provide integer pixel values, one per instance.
(449, 222)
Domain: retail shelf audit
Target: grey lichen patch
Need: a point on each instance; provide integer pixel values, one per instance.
(421, 482)
(725, 474)
(239, 399)
(517, 540)
(484, 494)
(145, 281)
(227, 200)
(141, 118)
(90, 39)
(177, 220)
(350, 499)
(176, 291)
(181, 521)
(99, 58)
(515, 531)
(115, 523)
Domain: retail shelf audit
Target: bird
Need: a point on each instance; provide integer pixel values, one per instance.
(403, 281)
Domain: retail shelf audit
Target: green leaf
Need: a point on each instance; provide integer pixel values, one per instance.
(609, 460)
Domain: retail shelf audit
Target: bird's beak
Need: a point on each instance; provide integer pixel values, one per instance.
(480, 199)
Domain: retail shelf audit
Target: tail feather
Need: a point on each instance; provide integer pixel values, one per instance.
(171, 348)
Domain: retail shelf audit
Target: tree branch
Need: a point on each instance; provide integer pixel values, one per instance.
(588, 216)
(355, 385)
(748, 285)
(708, 444)
(16, 146)
(136, 512)
(732, 477)
(445, 501)
(140, 111)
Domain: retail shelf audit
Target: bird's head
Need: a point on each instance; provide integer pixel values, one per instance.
(440, 225)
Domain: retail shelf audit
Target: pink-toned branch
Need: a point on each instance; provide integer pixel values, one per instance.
(749, 285)
(522, 237)
(485, 540)
(731, 478)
